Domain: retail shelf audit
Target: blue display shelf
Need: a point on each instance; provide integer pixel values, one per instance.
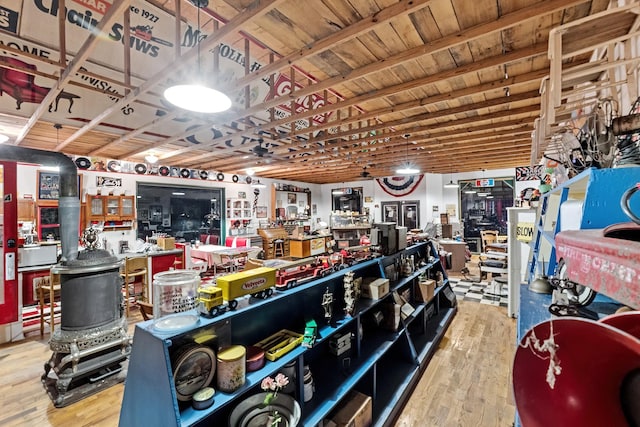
(599, 190)
(150, 395)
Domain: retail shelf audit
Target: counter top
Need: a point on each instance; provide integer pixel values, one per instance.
(306, 237)
(152, 253)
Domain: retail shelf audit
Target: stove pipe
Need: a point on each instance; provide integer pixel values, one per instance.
(68, 203)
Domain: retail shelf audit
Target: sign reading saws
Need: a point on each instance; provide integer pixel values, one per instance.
(151, 39)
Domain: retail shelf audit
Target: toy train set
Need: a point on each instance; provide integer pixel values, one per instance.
(215, 299)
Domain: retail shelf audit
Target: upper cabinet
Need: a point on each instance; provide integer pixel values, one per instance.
(26, 210)
(290, 202)
(110, 208)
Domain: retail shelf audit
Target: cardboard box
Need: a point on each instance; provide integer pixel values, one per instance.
(166, 243)
(355, 411)
(375, 289)
(425, 290)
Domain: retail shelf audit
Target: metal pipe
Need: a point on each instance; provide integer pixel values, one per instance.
(68, 202)
(626, 124)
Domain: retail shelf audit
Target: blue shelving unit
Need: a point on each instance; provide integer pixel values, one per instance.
(382, 364)
(599, 190)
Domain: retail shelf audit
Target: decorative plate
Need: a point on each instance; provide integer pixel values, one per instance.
(185, 173)
(113, 166)
(204, 174)
(163, 170)
(220, 176)
(193, 369)
(248, 180)
(140, 168)
(83, 163)
(252, 413)
(235, 178)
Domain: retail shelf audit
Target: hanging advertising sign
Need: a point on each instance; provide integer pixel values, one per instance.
(485, 182)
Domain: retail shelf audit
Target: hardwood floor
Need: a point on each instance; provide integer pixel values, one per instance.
(468, 381)
(466, 384)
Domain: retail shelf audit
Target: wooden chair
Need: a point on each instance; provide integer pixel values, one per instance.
(47, 290)
(134, 270)
(488, 237)
(146, 309)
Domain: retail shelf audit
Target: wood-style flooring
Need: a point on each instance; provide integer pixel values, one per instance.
(466, 384)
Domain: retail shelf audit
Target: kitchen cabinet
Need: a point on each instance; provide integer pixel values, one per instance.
(26, 210)
(348, 228)
(381, 363)
(118, 210)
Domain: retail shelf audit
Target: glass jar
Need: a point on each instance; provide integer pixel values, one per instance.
(175, 291)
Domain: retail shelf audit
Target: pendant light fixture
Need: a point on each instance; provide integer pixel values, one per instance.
(257, 184)
(407, 168)
(451, 184)
(151, 158)
(197, 96)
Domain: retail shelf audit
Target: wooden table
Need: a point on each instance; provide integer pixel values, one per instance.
(209, 254)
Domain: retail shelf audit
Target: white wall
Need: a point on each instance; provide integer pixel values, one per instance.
(430, 192)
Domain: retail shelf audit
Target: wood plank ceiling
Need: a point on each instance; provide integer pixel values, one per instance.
(332, 87)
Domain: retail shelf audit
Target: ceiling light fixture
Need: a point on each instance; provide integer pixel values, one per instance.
(250, 172)
(3, 138)
(197, 96)
(407, 168)
(150, 158)
(451, 184)
(257, 184)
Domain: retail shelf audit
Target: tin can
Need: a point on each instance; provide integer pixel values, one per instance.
(231, 368)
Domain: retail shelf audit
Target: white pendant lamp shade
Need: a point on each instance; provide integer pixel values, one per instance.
(451, 184)
(407, 170)
(257, 184)
(197, 97)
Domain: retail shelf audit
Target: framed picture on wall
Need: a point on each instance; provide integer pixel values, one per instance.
(291, 198)
(49, 185)
(261, 211)
(242, 195)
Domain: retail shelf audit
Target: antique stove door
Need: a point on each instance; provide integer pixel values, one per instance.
(9, 243)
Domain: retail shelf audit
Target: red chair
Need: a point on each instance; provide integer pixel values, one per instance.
(21, 85)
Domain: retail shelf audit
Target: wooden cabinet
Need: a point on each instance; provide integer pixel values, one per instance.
(26, 210)
(48, 221)
(348, 228)
(383, 361)
(110, 208)
(239, 217)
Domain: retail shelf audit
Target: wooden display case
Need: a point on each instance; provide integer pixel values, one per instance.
(113, 209)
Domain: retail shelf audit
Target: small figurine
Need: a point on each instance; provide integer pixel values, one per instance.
(327, 301)
(349, 293)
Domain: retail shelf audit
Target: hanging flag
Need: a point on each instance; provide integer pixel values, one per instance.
(399, 186)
